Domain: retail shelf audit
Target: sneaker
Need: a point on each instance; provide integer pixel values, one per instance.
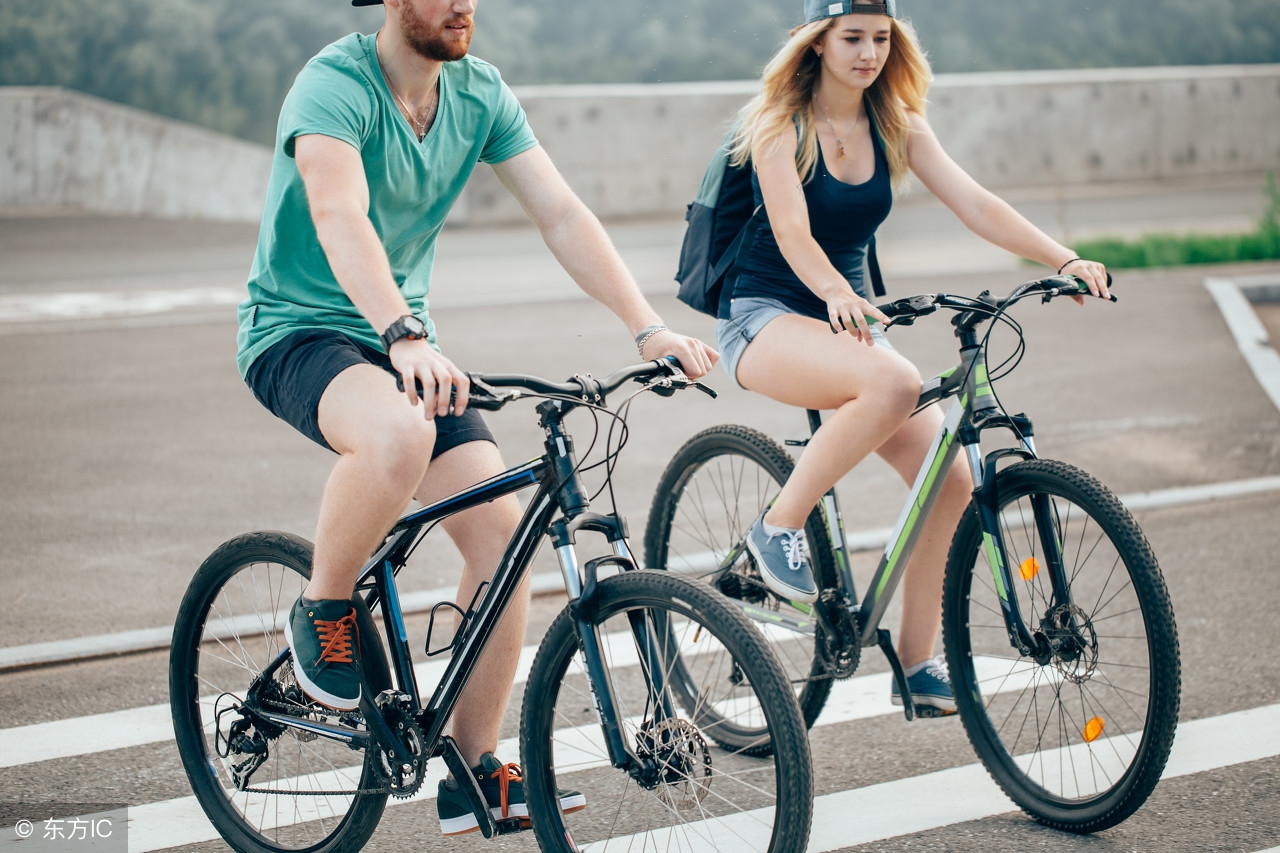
(322, 638)
(783, 561)
(930, 685)
(503, 789)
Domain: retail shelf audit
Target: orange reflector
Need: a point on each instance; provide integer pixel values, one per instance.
(1029, 568)
(1092, 729)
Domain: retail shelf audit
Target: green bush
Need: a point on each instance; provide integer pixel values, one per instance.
(1169, 250)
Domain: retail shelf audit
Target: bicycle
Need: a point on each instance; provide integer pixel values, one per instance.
(274, 771)
(1059, 633)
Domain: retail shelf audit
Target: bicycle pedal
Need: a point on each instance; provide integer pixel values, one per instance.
(510, 825)
(930, 712)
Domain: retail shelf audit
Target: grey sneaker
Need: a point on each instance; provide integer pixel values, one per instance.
(783, 561)
(503, 789)
(930, 685)
(322, 643)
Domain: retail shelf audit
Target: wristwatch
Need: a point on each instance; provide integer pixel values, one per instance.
(407, 326)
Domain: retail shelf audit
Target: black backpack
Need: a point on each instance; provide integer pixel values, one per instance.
(722, 226)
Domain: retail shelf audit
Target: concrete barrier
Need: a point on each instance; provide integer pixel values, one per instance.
(639, 150)
(63, 150)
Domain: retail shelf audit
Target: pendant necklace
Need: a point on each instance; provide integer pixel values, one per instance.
(839, 139)
(420, 127)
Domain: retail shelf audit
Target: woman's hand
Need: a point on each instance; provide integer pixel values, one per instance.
(847, 311)
(1092, 273)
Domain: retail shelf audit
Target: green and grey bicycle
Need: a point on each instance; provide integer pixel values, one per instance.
(1059, 633)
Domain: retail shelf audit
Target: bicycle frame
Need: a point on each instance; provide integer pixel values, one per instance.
(559, 489)
(972, 411)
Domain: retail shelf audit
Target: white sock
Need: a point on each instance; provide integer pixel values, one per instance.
(771, 531)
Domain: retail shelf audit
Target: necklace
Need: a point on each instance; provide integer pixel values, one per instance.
(839, 139)
(420, 127)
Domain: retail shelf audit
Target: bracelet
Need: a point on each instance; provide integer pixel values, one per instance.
(645, 334)
(1067, 264)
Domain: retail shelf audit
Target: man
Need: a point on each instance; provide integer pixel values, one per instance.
(375, 142)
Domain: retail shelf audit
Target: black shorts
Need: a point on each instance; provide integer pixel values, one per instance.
(291, 375)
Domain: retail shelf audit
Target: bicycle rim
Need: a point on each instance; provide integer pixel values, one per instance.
(230, 630)
(1078, 741)
(706, 797)
(713, 490)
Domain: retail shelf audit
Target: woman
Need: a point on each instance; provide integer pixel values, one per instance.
(837, 126)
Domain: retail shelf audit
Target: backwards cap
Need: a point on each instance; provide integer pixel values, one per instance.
(816, 10)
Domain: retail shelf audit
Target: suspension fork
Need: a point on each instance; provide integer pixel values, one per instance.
(986, 500)
(582, 587)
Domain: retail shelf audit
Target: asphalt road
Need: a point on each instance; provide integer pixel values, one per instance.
(129, 449)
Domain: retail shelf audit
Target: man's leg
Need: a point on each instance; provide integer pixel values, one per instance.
(481, 535)
(383, 447)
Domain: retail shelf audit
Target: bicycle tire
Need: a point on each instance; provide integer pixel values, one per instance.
(229, 627)
(1087, 769)
(713, 488)
(737, 801)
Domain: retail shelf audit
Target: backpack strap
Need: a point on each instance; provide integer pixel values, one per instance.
(732, 255)
(873, 267)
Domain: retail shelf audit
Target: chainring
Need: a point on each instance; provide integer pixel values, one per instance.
(405, 773)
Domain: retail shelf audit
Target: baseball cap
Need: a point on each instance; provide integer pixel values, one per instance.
(816, 10)
(366, 2)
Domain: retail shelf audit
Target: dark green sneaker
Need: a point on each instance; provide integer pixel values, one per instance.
(322, 642)
(503, 789)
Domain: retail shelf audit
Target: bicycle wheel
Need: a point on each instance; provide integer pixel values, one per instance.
(1077, 739)
(711, 492)
(698, 796)
(230, 628)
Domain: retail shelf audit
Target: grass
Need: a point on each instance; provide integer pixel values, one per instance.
(1165, 250)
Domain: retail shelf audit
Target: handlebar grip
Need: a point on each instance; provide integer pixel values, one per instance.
(475, 400)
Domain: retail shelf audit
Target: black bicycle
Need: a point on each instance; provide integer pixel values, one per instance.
(1059, 634)
(602, 715)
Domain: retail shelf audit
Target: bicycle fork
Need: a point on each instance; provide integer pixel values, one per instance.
(582, 587)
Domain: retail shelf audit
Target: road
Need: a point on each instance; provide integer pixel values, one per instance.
(129, 449)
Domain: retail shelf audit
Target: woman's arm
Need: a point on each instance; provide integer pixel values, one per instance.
(988, 215)
(783, 193)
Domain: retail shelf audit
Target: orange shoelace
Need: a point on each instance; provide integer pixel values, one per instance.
(335, 638)
(506, 774)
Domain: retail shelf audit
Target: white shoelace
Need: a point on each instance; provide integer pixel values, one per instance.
(796, 549)
(938, 669)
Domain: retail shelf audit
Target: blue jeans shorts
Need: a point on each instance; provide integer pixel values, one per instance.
(747, 316)
(290, 377)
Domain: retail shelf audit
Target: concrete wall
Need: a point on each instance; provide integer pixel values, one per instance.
(64, 150)
(637, 150)
(641, 150)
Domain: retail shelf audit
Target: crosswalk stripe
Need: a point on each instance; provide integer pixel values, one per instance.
(862, 696)
(886, 810)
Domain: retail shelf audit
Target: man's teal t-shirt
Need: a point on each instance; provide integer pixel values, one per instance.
(341, 93)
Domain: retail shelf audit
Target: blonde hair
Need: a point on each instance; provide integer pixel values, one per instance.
(785, 102)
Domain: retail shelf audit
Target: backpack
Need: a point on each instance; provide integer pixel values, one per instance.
(722, 226)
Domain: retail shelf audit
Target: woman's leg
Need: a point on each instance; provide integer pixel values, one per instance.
(798, 361)
(922, 583)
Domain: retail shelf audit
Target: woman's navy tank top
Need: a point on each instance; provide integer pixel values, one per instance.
(842, 218)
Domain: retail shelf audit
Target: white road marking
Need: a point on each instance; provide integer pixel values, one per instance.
(86, 305)
(1251, 336)
(887, 810)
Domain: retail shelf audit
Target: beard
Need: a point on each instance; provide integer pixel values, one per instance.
(434, 42)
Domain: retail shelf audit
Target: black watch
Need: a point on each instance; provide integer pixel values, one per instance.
(407, 326)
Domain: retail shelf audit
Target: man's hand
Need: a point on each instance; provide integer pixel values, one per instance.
(417, 361)
(695, 357)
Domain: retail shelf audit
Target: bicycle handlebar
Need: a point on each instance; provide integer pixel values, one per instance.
(903, 312)
(484, 394)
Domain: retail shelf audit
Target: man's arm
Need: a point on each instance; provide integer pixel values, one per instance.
(579, 242)
(338, 195)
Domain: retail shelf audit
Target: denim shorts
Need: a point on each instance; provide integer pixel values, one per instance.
(291, 376)
(747, 316)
